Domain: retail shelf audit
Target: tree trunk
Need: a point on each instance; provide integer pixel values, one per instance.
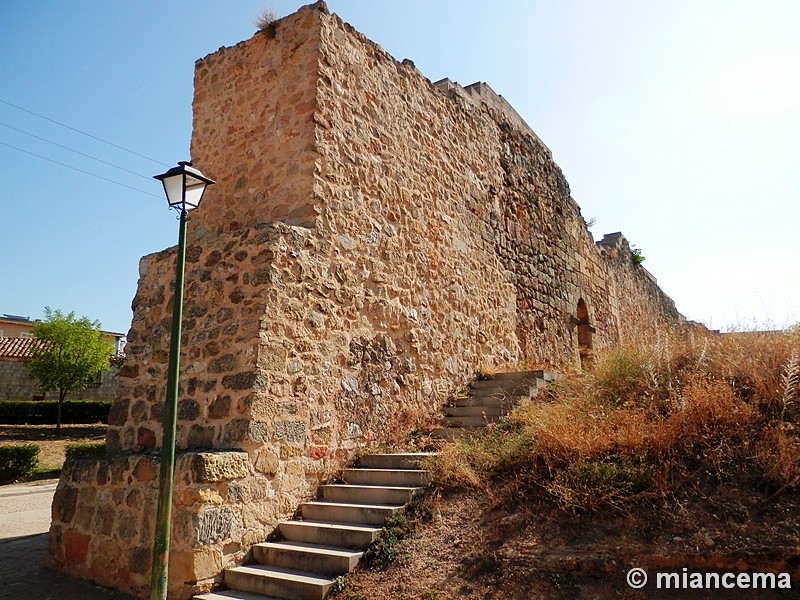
(61, 394)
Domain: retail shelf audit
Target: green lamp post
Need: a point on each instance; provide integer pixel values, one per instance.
(184, 187)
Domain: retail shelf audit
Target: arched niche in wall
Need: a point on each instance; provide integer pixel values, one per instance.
(585, 331)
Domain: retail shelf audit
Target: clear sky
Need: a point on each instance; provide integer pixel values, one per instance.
(676, 122)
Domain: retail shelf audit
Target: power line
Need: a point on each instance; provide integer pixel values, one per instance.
(80, 170)
(76, 151)
(94, 137)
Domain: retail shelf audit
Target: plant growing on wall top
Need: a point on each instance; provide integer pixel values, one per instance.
(637, 256)
(265, 22)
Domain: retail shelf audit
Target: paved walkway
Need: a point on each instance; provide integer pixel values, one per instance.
(24, 521)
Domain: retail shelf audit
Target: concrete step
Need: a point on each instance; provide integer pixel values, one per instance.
(514, 375)
(475, 410)
(472, 421)
(506, 383)
(487, 392)
(369, 494)
(327, 560)
(494, 390)
(449, 433)
(233, 595)
(401, 460)
(273, 581)
(504, 402)
(390, 477)
(342, 512)
(547, 376)
(330, 534)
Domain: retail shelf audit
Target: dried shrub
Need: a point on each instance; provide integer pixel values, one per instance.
(265, 22)
(777, 454)
(451, 469)
(693, 408)
(624, 375)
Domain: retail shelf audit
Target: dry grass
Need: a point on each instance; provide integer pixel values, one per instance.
(694, 409)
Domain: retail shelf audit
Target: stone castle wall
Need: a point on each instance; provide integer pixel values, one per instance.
(371, 244)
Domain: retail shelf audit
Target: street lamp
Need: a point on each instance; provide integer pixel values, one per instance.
(184, 187)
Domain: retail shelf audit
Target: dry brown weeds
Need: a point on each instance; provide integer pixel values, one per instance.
(688, 409)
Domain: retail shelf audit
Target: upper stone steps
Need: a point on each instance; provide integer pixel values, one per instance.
(474, 410)
(488, 400)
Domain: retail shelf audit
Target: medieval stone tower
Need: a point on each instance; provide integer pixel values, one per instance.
(373, 241)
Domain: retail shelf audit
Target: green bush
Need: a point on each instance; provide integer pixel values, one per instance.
(85, 450)
(44, 412)
(17, 462)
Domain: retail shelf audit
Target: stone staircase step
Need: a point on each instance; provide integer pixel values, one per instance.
(390, 477)
(547, 376)
(343, 535)
(506, 403)
(370, 494)
(470, 421)
(342, 512)
(449, 433)
(494, 390)
(233, 595)
(506, 383)
(401, 460)
(328, 560)
(475, 410)
(273, 581)
(529, 392)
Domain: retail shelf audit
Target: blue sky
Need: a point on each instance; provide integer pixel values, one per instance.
(676, 122)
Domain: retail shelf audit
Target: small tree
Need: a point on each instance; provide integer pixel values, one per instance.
(72, 354)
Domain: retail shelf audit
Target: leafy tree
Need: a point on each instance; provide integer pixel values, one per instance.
(72, 354)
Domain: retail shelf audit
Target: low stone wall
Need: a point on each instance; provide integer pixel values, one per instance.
(16, 384)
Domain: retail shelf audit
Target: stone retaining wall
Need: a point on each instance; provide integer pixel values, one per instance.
(373, 242)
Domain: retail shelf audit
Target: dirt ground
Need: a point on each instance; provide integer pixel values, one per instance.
(476, 548)
(50, 440)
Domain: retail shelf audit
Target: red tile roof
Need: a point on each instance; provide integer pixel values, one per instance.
(20, 348)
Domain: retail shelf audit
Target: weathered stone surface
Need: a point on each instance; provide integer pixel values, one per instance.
(373, 240)
(210, 467)
(291, 431)
(214, 525)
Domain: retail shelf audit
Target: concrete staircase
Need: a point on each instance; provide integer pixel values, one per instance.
(489, 399)
(333, 532)
(330, 538)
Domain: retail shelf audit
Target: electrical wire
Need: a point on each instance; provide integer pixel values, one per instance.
(76, 151)
(80, 170)
(94, 137)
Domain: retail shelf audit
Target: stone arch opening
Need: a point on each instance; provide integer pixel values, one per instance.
(585, 331)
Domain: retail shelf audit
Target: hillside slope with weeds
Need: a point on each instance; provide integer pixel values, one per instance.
(683, 453)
